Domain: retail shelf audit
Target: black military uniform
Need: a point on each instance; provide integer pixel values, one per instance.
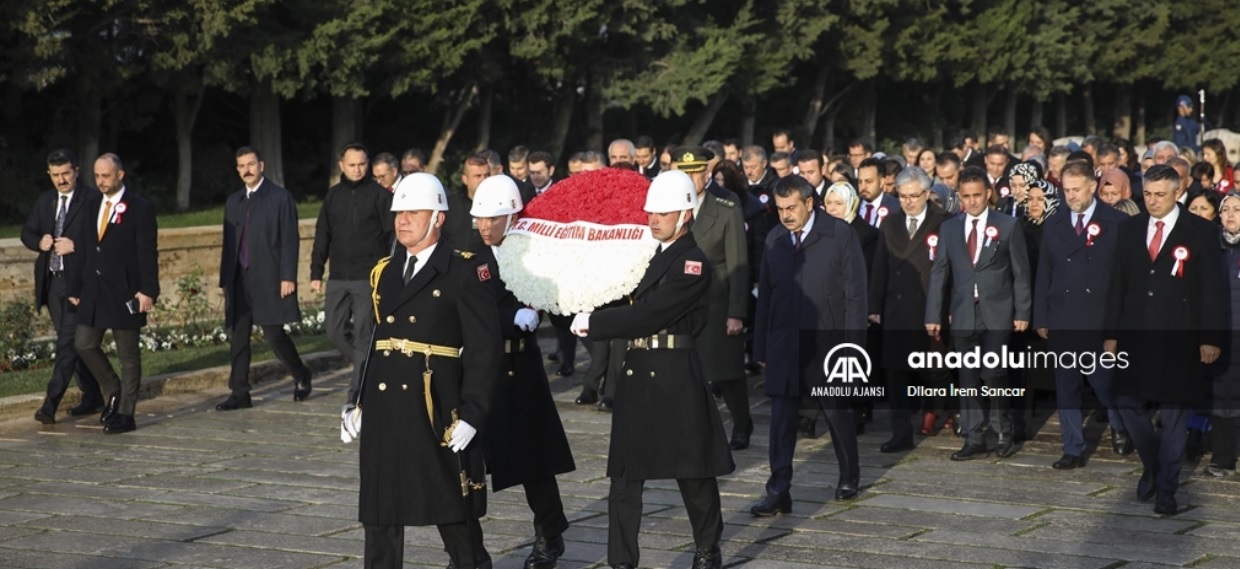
(666, 424)
(460, 230)
(438, 335)
(525, 440)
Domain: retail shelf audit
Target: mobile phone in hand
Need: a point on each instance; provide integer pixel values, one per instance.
(132, 305)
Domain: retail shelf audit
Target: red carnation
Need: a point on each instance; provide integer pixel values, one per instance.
(610, 196)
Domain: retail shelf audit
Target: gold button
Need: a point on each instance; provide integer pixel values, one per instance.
(435, 293)
(413, 319)
(382, 387)
(511, 373)
(629, 372)
(391, 319)
(404, 387)
(652, 374)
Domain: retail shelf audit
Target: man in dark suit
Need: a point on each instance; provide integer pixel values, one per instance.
(647, 156)
(666, 426)
(876, 205)
(519, 172)
(258, 272)
(719, 230)
(117, 285)
(760, 176)
(1069, 304)
(983, 255)
(1165, 313)
(459, 230)
(59, 214)
(541, 168)
(811, 298)
(908, 243)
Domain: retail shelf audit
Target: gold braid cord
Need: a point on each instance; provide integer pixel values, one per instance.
(374, 283)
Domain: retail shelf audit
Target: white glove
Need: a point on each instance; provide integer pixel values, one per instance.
(526, 320)
(581, 324)
(350, 423)
(462, 433)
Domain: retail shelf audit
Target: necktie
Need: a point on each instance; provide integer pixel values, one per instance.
(409, 269)
(912, 226)
(1080, 223)
(971, 242)
(58, 264)
(796, 240)
(1156, 242)
(868, 219)
(107, 214)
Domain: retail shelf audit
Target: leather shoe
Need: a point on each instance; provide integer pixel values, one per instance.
(708, 558)
(45, 417)
(86, 407)
(622, 566)
(1121, 443)
(1068, 462)
(301, 389)
(740, 437)
(119, 424)
(970, 452)
(1165, 504)
(1006, 447)
(564, 371)
(953, 424)
(716, 390)
(553, 357)
(589, 396)
(547, 550)
(109, 410)
(846, 490)
(773, 505)
(235, 402)
(896, 445)
(1146, 487)
(604, 405)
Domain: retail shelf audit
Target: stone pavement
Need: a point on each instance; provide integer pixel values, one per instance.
(273, 487)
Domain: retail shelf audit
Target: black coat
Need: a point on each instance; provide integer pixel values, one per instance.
(899, 278)
(868, 237)
(42, 221)
(117, 268)
(525, 438)
(354, 230)
(665, 422)
(274, 244)
(407, 476)
(719, 231)
(1160, 319)
(460, 230)
(1224, 373)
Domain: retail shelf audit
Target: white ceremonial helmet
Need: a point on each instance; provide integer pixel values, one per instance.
(671, 191)
(496, 196)
(419, 191)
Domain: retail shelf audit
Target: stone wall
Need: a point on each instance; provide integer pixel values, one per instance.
(180, 250)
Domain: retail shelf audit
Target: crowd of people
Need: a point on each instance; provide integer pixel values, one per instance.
(766, 263)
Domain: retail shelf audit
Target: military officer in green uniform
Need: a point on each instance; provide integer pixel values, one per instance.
(428, 385)
(525, 442)
(665, 423)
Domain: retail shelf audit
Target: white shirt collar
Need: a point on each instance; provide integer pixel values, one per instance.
(423, 256)
(249, 190)
(1088, 213)
(56, 203)
(1168, 221)
(809, 224)
(921, 217)
(981, 221)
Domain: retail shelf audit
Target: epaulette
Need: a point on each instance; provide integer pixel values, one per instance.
(728, 203)
(463, 254)
(374, 283)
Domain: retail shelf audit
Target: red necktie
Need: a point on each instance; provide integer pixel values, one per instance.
(1156, 242)
(1080, 223)
(972, 242)
(868, 209)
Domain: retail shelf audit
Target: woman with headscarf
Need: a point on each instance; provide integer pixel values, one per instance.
(1224, 374)
(1040, 203)
(1023, 176)
(1114, 186)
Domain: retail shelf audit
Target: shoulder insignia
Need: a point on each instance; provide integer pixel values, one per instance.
(464, 254)
(693, 267)
(728, 203)
(374, 283)
(484, 272)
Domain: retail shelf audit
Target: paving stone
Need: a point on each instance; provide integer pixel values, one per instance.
(1108, 522)
(1216, 530)
(268, 477)
(164, 482)
(945, 506)
(220, 501)
(130, 528)
(290, 466)
(284, 523)
(1126, 551)
(1218, 563)
(1196, 544)
(221, 556)
(863, 514)
(296, 543)
(28, 559)
(83, 506)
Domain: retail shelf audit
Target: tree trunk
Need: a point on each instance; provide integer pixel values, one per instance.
(1037, 115)
(265, 130)
(566, 100)
(346, 130)
(1122, 126)
(594, 115)
(1009, 115)
(1087, 101)
(185, 108)
(980, 101)
(1061, 115)
(828, 134)
(748, 120)
(936, 117)
(14, 124)
(869, 130)
(1220, 117)
(90, 126)
(1139, 138)
(487, 103)
(451, 121)
(705, 118)
(817, 100)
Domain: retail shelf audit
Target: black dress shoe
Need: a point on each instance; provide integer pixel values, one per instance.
(86, 407)
(589, 396)
(740, 437)
(1006, 446)
(564, 371)
(44, 417)
(846, 490)
(708, 558)
(1068, 462)
(547, 550)
(119, 424)
(970, 452)
(1147, 487)
(109, 410)
(553, 357)
(235, 402)
(1121, 443)
(773, 505)
(716, 390)
(896, 445)
(605, 405)
(301, 389)
(622, 566)
(1165, 504)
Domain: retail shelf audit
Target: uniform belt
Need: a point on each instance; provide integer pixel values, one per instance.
(411, 348)
(662, 342)
(514, 346)
(57, 274)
